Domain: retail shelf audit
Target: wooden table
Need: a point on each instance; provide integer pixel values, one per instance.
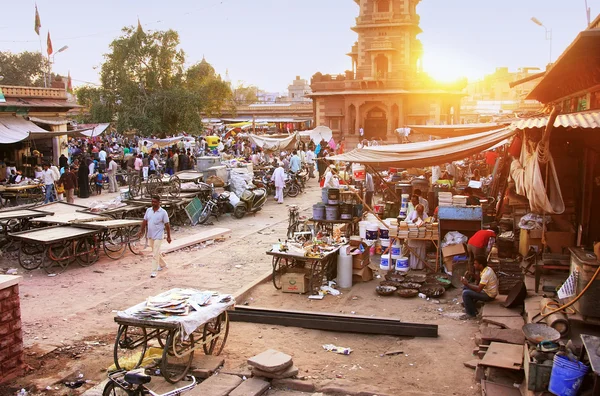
(317, 267)
(435, 241)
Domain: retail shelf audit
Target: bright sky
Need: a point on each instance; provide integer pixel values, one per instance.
(268, 42)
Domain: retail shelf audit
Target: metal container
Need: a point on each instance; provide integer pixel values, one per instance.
(586, 263)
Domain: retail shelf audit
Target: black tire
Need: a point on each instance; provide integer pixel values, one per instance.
(130, 341)
(239, 211)
(218, 330)
(112, 389)
(31, 256)
(135, 243)
(115, 243)
(294, 190)
(204, 216)
(278, 271)
(174, 365)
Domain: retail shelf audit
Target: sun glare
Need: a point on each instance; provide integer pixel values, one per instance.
(446, 69)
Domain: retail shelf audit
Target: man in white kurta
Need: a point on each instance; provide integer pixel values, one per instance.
(279, 179)
(156, 221)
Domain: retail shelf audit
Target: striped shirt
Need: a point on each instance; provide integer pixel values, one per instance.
(490, 281)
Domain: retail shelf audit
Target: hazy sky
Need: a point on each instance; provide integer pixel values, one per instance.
(269, 42)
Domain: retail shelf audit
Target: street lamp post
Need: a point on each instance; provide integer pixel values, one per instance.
(548, 33)
(61, 49)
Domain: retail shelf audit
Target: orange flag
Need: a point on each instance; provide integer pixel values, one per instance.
(49, 44)
(38, 23)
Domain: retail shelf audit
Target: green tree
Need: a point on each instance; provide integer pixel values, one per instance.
(245, 94)
(97, 108)
(25, 68)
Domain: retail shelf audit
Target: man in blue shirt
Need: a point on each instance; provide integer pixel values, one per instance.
(295, 162)
(156, 221)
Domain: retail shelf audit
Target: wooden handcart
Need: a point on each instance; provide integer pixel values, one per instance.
(54, 248)
(155, 185)
(317, 268)
(23, 194)
(14, 221)
(117, 236)
(178, 336)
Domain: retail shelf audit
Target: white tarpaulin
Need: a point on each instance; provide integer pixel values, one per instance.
(14, 129)
(318, 134)
(269, 143)
(93, 131)
(162, 143)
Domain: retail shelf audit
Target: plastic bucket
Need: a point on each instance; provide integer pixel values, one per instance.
(402, 264)
(384, 233)
(385, 262)
(397, 248)
(346, 211)
(372, 232)
(344, 270)
(359, 172)
(362, 229)
(331, 212)
(379, 208)
(566, 376)
(333, 196)
(384, 242)
(319, 212)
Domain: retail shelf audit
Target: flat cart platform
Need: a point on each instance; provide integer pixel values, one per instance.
(54, 248)
(17, 220)
(316, 268)
(204, 327)
(22, 194)
(117, 236)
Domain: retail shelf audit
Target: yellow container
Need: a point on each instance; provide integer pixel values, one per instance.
(212, 141)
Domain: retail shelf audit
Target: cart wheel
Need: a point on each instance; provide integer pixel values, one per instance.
(130, 346)
(214, 335)
(177, 357)
(135, 186)
(86, 251)
(174, 186)
(31, 255)
(59, 256)
(239, 211)
(278, 271)
(154, 185)
(136, 243)
(115, 243)
(21, 198)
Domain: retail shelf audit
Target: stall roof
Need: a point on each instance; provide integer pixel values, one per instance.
(272, 143)
(91, 130)
(585, 120)
(455, 130)
(266, 119)
(13, 129)
(434, 152)
(50, 120)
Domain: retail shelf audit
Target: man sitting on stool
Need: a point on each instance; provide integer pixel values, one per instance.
(486, 288)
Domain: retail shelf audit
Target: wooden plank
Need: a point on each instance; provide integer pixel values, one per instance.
(494, 389)
(509, 336)
(119, 223)
(497, 310)
(509, 322)
(22, 213)
(212, 233)
(66, 218)
(54, 234)
(507, 356)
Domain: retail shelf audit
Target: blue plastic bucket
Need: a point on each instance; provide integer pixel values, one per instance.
(385, 262)
(567, 376)
(402, 264)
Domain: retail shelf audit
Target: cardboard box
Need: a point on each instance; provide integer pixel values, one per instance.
(525, 242)
(559, 241)
(448, 261)
(360, 259)
(362, 275)
(535, 234)
(294, 282)
(453, 250)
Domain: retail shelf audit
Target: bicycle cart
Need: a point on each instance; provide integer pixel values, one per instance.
(16, 220)
(117, 236)
(316, 268)
(156, 184)
(204, 328)
(54, 248)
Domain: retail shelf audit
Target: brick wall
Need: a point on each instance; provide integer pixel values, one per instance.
(11, 336)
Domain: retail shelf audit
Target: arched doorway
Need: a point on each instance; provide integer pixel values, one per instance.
(376, 124)
(381, 66)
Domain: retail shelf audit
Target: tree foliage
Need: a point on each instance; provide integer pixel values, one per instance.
(25, 68)
(245, 94)
(145, 86)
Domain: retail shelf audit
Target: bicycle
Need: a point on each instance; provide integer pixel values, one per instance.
(135, 383)
(298, 228)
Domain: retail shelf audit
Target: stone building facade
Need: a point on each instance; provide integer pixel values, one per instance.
(386, 88)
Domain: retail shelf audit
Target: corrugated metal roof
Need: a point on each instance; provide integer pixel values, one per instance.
(585, 120)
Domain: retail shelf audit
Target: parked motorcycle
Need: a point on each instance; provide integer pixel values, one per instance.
(217, 205)
(251, 201)
(293, 186)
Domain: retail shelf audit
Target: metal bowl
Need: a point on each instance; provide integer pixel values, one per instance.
(540, 332)
(418, 278)
(385, 290)
(410, 285)
(389, 283)
(395, 277)
(408, 293)
(431, 290)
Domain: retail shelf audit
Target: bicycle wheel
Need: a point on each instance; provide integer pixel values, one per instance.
(58, 257)
(278, 271)
(177, 357)
(204, 215)
(135, 185)
(31, 255)
(135, 242)
(174, 187)
(86, 251)
(115, 243)
(214, 335)
(130, 346)
(112, 389)
(154, 185)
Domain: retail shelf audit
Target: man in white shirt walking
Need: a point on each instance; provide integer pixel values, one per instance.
(102, 158)
(279, 179)
(112, 175)
(48, 179)
(310, 160)
(156, 221)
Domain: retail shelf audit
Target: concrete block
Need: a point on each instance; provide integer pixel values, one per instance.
(287, 373)
(293, 384)
(204, 366)
(271, 361)
(217, 385)
(251, 387)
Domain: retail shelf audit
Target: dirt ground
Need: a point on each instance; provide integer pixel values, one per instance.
(69, 329)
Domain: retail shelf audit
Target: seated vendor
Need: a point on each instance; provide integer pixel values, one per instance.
(422, 201)
(472, 200)
(445, 179)
(418, 248)
(414, 201)
(485, 289)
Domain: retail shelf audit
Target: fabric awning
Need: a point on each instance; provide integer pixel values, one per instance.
(455, 130)
(270, 143)
(585, 120)
(13, 129)
(318, 134)
(434, 152)
(49, 120)
(92, 130)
